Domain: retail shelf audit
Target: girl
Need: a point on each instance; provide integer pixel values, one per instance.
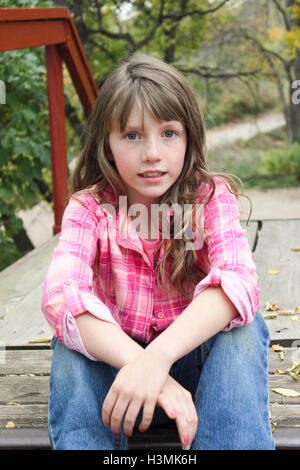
(150, 327)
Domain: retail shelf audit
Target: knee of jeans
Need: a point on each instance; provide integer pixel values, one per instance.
(67, 363)
(247, 340)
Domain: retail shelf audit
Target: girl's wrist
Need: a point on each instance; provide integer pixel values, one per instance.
(161, 353)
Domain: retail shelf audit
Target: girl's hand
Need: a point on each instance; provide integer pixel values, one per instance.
(137, 384)
(178, 404)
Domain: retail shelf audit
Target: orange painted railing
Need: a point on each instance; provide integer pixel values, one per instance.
(53, 28)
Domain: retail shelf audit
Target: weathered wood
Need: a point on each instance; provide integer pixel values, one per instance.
(21, 284)
(24, 416)
(24, 439)
(290, 355)
(26, 361)
(285, 415)
(252, 232)
(273, 251)
(24, 389)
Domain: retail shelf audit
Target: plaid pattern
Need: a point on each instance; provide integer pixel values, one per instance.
(101, 267)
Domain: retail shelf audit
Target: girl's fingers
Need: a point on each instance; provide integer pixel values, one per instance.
(165, 403)
(108, 406)
(117, 414)
(184, 411)
(148, 412)
(131, 415)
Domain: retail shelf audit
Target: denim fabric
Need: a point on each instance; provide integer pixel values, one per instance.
(227, 376)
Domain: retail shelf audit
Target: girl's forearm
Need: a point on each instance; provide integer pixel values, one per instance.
(205, 316)
(107, 342)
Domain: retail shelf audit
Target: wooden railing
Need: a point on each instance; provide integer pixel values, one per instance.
(53, 28)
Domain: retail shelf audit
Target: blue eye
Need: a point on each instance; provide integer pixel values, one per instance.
(169, 133)
(131, 136)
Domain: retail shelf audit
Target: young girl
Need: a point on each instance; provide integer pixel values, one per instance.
(153, 325)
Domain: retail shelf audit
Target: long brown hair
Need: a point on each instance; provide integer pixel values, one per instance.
(166, 94)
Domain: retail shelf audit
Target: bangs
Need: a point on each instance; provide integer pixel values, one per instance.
(160, 101)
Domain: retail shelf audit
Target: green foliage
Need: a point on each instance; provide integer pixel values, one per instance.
(24, 136)
(283, 163)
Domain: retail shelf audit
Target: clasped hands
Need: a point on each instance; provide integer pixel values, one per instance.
(145, 382)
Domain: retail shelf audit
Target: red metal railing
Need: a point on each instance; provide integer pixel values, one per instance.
(53, 28)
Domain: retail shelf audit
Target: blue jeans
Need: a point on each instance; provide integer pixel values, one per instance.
(227, 376)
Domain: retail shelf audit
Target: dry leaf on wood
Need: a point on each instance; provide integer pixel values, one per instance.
(286, 392)
(272, 307)
(10, 425)
(273, 271)
(41, 340)
(268, 316)
(295, 248)
(277, 347)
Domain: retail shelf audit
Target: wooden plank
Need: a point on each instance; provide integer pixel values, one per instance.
(285, 415)
(290, 356)
(20, 35)
(24, 439)
(26, 362)
(273, 251)
(31, 14)
(252, 231)
(24, 416)
(283, 381)
(24, 389)
(21, 284)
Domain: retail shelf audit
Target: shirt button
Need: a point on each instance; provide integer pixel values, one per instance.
(160, 315)
(68, 281)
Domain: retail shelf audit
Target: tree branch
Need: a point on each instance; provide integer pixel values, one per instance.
(210, 73)
(180, 16)
(283, 12)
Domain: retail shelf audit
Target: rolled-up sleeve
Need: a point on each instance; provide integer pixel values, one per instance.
(230, 257)
(67, 290)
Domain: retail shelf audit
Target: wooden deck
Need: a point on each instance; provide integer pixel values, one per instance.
(25, 365)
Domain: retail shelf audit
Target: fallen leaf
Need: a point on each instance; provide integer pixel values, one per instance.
(297, 310)
(268, 316)
(10, 425)
(281, 355)
(294, 318)
(279, 372)
(286, 392)
(272, 307)
(295, 248)
(11, 403)
(41, 340)
(286, 312)
(277, 347)
(273, 271)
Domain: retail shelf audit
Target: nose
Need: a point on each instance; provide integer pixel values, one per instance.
(152, 151)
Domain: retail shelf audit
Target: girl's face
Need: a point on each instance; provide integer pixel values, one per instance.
(158, 148)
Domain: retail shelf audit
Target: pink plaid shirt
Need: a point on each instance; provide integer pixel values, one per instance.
(96, 268)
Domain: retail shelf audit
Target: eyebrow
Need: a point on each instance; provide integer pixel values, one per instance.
(132, 125)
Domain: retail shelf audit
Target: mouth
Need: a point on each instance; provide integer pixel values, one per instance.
(152, 174)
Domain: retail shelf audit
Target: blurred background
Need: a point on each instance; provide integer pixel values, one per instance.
(241, 58)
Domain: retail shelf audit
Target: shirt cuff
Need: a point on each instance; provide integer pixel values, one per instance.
(245, 297)
(71, 336)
